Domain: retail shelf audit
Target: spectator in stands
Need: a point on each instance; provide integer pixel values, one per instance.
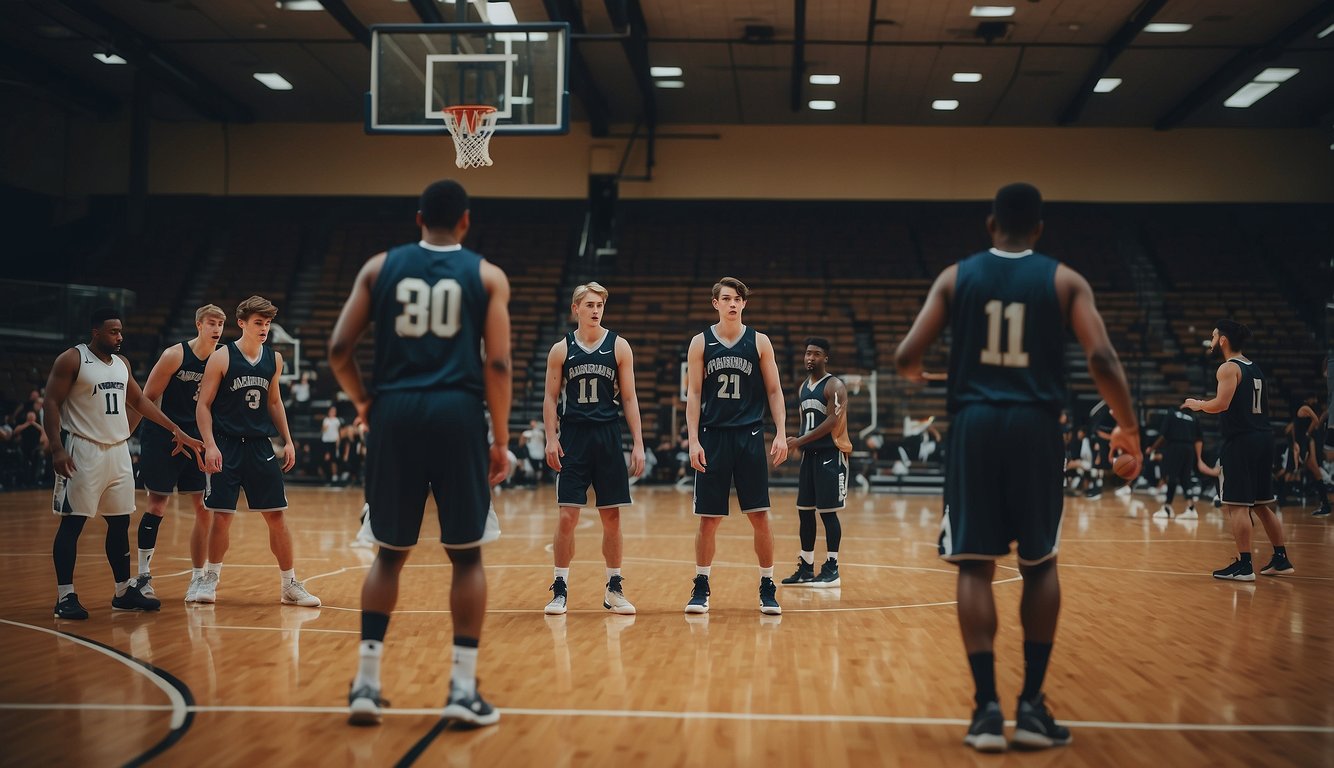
(535, 438)
(329, 440)
(7, 429)
(351, 452)
(32, 442)
(301, 391)
(32, 405)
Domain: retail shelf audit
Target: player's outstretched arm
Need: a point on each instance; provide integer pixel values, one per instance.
(930, 323)
(499, 390)
(58, 383)
(625, 363)
(1228, 377)
(352, 323)
(134, 398)
(694, 391)
(278, 413)
(214, 370)
(555, 367)
(773, 388)
(166, 365)
(1103, 364)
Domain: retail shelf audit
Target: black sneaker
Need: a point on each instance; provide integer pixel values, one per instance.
(987, 731)
(558, 598)
(1035, 728)
(134, 600)
(364, 705)
(804, 575)
(69, 608)
(1279, 565)
(1238, 571)
(828, 574)
(699, 597)
(469, 711)
(1094, 493)
(1321, 511)
(768, 597)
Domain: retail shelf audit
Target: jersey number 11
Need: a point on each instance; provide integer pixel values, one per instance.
(1013, 356)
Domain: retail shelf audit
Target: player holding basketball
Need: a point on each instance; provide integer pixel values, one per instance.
(175, 379)
(86, 422)
(823, 483)
(730, 372)
(594, 368)
(1006, 308)
(240, 409)
(434, 304)
(1247, 481)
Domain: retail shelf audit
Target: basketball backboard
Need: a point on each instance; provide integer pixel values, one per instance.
(418, 69)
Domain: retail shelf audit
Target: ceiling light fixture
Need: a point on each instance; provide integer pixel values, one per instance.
(1326, 32)
(1106, 84)
(1276, 75)
(1167, 27)
(945, 105)
(825, 79)
(665, 71)
(822, 105)
(992, 11)
(674, 84)
(109, 58)
(967, 77)
(1248, 94)
(300, 5)
(273, 81)
(501, 13)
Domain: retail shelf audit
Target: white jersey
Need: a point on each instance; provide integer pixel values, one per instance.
(95, 408)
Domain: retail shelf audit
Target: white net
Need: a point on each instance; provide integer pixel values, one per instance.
(471, 127)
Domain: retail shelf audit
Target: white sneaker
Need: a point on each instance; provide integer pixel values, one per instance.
(364, 539)
(558, 597)
(192, 591)
(208, 588)
(294, 593)
(1163, 513)
(1190, 514)
(614, 598)
(1123, 491)
(145, 585)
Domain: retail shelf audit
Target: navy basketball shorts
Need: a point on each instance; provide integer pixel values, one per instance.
(735, 456)
(1248, 476)
(163, 473)
(429, 442)
(248, 464)
(593, 457)
(823, 483)
(1003, 483)
(1178, 461)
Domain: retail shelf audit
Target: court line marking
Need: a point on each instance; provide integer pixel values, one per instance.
(1183, 573)
(283, 629)
(684, 715)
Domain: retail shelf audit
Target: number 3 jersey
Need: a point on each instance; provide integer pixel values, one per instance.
(95, 407)
(592, 382)
(733, 393)
(241, 407)
(1007, 334)
(429, 308)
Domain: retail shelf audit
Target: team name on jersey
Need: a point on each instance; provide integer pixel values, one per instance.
(591, 369)
(739, 363)
(105, 385)
(242, 382)
(813, 405)
(1183, 416)
(195, 376)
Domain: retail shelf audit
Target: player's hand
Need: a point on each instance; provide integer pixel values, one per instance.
(1127, 442)
(186, 444)
(697, 457)
(792, 443)
(637, 461)
(1193, 404)
(1205, 469)
(289, 457)
(363, 419)
(213, 460)
(555, 452)
(779, 450)
(500, 464)
(62, 462)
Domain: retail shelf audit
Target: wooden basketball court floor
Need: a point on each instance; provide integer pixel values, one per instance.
(1156, 663)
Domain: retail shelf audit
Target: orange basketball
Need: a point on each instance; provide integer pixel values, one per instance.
(1126, 466)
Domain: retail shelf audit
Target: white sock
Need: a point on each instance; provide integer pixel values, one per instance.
(214, 568)
(767, 573)
(368, 672)
(121, 586)
(563, 574)
(463, 675)
(613, 572)
(64, 589)
(196, 573)
(144, 556)
(833, 556)
(703, 570)
(289, 576)
(808, 557)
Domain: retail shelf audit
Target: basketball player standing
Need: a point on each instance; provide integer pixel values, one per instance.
(435, 304)
(87, 426)
(823, 483)
(1247, 481)
(1006, 308)
(595, 369)
(175, 378)
(1182, 443)
(240, 409)
(730, 372)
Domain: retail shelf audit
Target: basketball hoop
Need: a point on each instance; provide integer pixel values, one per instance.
(854, 382)
(471, 126)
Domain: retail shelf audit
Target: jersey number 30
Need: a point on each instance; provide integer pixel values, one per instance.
(428, 307)
(1013, 356)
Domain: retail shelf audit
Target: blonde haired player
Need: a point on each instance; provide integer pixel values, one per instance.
(174, 385)
(593, 368)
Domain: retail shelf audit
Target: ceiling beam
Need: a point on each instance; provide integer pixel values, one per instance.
(581, 78)
(56, 85)
(428, 10)
(1109, 53)
(1245, 59)
(628, 15)
(348, 20)
(198, 92)
(798, 52)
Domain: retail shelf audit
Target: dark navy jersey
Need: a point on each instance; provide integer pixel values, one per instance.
(1249, 409)
(241, 407)
(1180, 427)
(733, 393)
(813, 410)
(429, 308)
(592, 383)
(182, 392)
(1007, 333)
